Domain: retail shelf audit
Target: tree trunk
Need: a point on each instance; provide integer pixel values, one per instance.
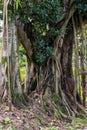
(5, 52)
(16, 88)
(68, 81)
(83, 59)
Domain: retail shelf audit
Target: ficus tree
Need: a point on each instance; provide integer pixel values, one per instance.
(48, 33)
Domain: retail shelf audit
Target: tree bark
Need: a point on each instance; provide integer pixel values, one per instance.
(82, 60)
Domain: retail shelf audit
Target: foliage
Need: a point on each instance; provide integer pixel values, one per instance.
(56, 99)
(42, 16)
(22, 62)
(42, 51)
(0, 15)
(1, 5)
(79, 124)
(7, 120)
(8, 123)
(82, 6)
(53, 128)
(22, 73)
(42, 11)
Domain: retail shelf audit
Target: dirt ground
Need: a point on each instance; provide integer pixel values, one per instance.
(31, 117)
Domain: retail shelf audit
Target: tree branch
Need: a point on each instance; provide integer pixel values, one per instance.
(24, 40)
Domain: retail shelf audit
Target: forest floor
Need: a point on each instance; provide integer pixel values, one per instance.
(35, 117)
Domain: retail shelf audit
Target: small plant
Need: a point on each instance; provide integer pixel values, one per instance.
(58, 116)
(53, 128)
(1, 126)
(7, 120)
(38, 119)
(11, 128)
(55, 99)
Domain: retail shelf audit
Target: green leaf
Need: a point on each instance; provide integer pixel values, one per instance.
(17, 3)
(55, 99)
(4, 60)
(7, 120)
